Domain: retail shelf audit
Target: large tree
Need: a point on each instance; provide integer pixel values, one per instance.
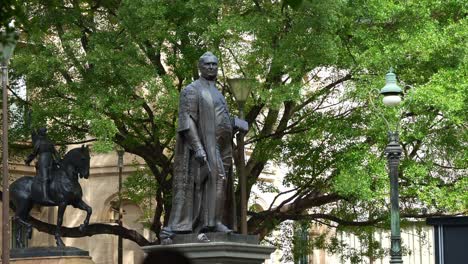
(112, 70)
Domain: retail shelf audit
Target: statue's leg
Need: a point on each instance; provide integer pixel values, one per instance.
(225, 158)
(83, 206)
(44, 190)
(21, 216)
(29, 231)
(44, 177)
(220, 201)
(61, 211)
(166, 236)
(22, 222)
(220, 196)
(47, 181)
(19, 234)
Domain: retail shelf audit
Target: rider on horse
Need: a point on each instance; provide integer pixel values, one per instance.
(64, 188)
(47, 157)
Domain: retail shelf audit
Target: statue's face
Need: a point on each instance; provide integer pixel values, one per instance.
(209, 67)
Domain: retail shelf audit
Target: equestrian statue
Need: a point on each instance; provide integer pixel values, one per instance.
(55, 184)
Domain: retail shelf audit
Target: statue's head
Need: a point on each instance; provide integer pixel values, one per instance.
(42, 131)
(208, 66)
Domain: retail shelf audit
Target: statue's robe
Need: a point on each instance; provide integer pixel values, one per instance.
(203, 195)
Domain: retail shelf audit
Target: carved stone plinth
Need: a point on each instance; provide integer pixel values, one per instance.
(50, 255)
(222, 249)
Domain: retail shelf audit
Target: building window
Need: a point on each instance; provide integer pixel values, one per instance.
(114, 211)
(301, 243)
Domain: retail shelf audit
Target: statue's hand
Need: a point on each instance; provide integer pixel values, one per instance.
(200, 156)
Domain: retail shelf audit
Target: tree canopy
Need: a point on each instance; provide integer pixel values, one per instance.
(112, 71)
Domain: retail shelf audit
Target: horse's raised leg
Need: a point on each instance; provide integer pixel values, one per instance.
(58, 239)
(19, 238)
(83, 206)
(21, 215)
(19, 233)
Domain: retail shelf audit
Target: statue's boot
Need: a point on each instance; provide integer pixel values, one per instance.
(45, 196)
(203, 238)
(222, 228)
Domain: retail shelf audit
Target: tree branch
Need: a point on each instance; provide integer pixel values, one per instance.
(344, 222)
(324, 89)
(67, 49)
(311, 200)
(154, 56)
(92, 229)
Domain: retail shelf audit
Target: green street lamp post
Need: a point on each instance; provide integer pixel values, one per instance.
(392, 97)
(241, 89)
(6, 50)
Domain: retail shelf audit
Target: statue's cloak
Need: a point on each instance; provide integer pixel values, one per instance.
(194, 188)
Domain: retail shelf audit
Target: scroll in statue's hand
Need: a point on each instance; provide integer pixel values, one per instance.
(240, 124)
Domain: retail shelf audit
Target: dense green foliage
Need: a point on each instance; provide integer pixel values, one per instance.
(10, 11)
(113, 70)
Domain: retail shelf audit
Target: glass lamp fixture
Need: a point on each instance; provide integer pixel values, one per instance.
(240, 87)
(391, 91)
(7, 45)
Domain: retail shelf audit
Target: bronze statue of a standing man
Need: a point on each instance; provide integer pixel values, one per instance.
(203, 158)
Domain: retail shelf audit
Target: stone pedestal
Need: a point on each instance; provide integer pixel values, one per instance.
(50, 255)
(222, 249)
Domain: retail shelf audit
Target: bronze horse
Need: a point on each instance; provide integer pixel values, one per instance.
(64, 189)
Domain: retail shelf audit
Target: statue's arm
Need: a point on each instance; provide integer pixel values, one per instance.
(188, 118)
(188, 108)
(28, 160)
(192, 137)
(55, 155)
(193, 140)
(31, 156)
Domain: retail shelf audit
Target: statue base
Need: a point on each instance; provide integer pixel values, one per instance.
(50, 255)
(222, 249)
